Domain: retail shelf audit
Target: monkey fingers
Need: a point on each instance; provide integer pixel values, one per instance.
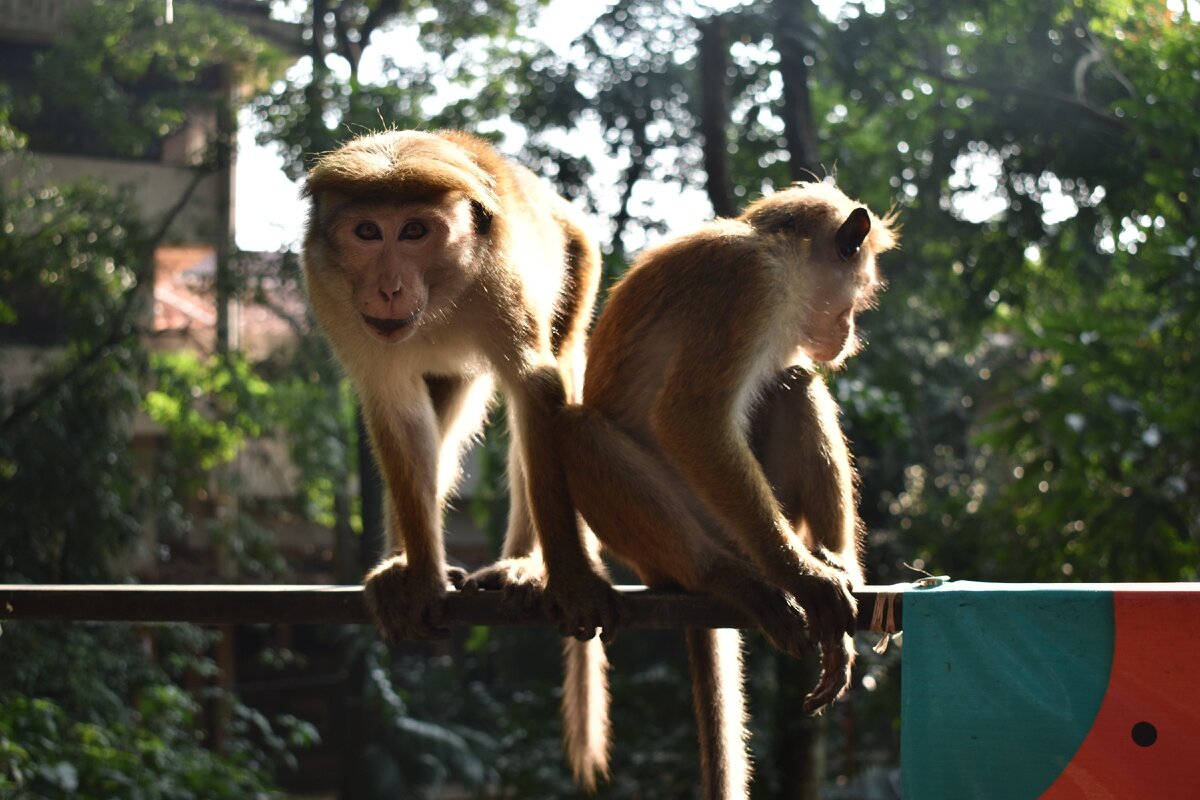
(825, 596)
(837, 657)
(404, 603)
(784, 623)
(456, 577)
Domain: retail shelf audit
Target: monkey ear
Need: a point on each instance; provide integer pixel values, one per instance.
(852, 233)
(481, 218)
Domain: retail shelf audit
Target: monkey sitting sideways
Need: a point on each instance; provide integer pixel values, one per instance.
(707, 452)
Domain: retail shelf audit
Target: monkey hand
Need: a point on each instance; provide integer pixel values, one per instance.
(782, 621)
(405, 602)
(583, 602)
(824, 592)
(521, 582)
(837, 657)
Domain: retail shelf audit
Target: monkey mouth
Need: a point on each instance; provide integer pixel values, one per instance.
(389, 329)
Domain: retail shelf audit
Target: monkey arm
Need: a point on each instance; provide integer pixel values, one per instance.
(406, 589)
(406, 446)
(803, 452)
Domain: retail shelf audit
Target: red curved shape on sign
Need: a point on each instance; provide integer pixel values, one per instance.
(1145, 742)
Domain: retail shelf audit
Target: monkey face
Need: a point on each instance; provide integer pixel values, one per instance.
(402, 263)
(843, 282)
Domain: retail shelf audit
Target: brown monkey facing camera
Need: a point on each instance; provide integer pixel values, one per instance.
(707, 452)
(436, 267)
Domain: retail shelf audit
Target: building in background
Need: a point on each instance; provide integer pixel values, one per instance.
(189, 310)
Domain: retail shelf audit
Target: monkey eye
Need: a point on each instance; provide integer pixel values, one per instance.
(413, 230)
(368, 230)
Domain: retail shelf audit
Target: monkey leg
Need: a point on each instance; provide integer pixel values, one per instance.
(520, 574)
(460, 403)
(577, 593)
(635, 504)
(719, 700)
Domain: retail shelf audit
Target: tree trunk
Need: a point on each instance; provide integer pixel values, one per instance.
(370, 484)
(347, 559)
(800, 740)
(226, 153)
(799, 127)
(714, 113)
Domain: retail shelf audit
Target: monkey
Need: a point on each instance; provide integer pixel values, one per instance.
(707, 453)
(436, 269)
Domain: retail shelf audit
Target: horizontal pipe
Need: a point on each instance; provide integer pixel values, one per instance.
(220, 604)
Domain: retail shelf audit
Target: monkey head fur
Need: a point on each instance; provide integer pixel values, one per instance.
(838, 277)
(397, 231)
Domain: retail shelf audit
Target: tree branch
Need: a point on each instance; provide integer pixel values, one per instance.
(714, 113)
(637, 166)
(1097, 113)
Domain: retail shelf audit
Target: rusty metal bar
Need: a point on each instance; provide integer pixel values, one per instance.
(212, 604)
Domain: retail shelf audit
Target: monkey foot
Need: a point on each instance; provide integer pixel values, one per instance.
(404, 602)
(588, 602)
(520, 581)
(837, 657)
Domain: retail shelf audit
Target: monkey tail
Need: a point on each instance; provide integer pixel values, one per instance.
(716, 659)
(585, 710)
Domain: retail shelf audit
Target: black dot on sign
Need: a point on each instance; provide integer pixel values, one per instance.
(1144, 734)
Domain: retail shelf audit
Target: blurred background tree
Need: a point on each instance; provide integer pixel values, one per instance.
(1026, 409)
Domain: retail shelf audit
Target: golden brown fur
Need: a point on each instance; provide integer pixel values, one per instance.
(437, 268)
(707, 452)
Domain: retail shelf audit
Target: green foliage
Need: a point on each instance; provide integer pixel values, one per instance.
(317, 411)
(465, 74)
(86, 710)
(1056, 394)
(83, 713)
(70, 257)
(414, 747)
(207, 406)
(122, 79)
(491, 714)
